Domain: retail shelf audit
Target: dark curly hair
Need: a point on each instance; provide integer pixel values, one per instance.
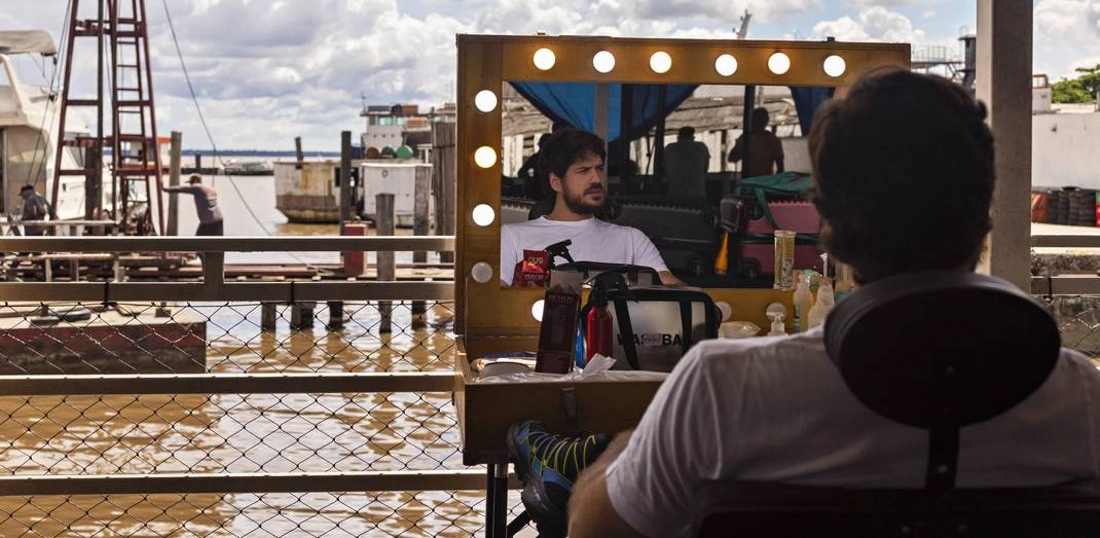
(565, 147)
(903, 175)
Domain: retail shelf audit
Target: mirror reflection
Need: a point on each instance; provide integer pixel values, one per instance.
(671, 179)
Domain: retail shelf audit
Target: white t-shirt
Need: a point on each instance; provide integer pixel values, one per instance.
(777, 410)
(593, 241)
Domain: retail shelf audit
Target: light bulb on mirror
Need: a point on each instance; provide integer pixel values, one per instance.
(481, 272)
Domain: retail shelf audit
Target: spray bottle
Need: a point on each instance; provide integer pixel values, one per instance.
(823, 305)
(597, 323)
(803, 300)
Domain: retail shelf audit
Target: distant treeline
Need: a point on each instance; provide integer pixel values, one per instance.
(258, 153)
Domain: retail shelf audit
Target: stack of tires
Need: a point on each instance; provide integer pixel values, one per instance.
(1058, 208)
(1082, 207)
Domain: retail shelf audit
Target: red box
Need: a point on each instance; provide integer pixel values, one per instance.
(797, 216)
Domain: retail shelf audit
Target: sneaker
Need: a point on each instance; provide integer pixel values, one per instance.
(548, 464)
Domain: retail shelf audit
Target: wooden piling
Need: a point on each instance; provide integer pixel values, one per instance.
(301, 315)
(421, 227)
(174, 166)
(387, 271)
(267, 316)
(298, 153)
(335, 315)
(347, 208)
(443, 179)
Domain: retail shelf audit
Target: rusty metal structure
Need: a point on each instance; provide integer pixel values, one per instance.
(120, 34)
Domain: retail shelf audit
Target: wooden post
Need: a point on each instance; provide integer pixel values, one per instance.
(444, 175)
(174, 160)
(421, 226)
(345, 180)
(384, 212)
(93, 183)
(298, 152)
(267, 316)
(301, 315)
(335, 315)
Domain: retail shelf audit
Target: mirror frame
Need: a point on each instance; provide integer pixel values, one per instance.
(485, 312)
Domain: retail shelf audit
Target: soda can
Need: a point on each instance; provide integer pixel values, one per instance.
(784, 260)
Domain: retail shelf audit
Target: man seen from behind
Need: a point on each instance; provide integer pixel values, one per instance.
(776, 409)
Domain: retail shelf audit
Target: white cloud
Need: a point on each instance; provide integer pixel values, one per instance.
(891, 3)
(1067, 35)
(872, 24)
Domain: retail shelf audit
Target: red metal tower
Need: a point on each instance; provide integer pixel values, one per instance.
(121, 36)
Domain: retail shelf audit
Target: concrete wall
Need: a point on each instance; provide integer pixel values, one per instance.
(1065, 150)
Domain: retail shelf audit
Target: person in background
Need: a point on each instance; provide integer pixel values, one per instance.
(35, 209)
(686, 161)
(573, 163)
(531, 182)
(777, 409)
(206, 205)
(765, 156)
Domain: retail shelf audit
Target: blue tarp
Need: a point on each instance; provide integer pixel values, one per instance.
(574, 103)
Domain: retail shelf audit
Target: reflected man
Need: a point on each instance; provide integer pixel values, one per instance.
(686, 162)
(573, 161)
(765, 150)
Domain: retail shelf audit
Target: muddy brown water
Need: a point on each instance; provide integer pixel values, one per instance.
(92, 435)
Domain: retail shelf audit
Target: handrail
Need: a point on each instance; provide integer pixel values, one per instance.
(1065, 241)
(229, 244)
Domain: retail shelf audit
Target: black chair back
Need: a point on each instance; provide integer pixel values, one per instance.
(937, 351)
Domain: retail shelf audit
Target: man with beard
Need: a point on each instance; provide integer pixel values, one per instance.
(573, 160)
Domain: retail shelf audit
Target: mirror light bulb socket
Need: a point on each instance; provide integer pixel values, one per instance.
(603, 61)
(544, 59)
(485, 157)
(485, 100)
(779, 63)
(481, 272)
(834, 66)
(660, 62)
(483, 215)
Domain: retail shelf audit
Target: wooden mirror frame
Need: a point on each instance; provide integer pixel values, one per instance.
(491, 318)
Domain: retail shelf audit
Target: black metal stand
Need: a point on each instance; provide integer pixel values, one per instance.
(496, 500)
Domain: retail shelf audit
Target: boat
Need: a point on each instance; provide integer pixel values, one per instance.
(397, 142)
(29, 122)
(248, 168)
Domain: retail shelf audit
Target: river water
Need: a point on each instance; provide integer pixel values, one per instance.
(252, 433)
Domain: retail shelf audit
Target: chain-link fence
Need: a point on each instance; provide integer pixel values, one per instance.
(293, 434)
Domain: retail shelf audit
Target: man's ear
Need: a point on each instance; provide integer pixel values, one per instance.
(555, 182)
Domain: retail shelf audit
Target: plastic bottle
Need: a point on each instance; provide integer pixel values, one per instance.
(597, 326)
(802, 301)
(824, 303)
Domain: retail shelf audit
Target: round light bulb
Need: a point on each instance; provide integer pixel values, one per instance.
(725, 65)
(484, 215)
(536, 310)
(660, 62)
(481, 272)
(485, 157)
(834, 66)
(603, 61)
(544, 59)
(485, 100)
(779, 63)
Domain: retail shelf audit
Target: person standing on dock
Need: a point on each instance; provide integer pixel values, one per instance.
(206, 205)
(35, 209)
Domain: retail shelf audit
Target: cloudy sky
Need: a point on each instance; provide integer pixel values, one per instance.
(265, 71)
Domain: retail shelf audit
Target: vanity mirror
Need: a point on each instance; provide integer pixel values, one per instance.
(627, 85)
